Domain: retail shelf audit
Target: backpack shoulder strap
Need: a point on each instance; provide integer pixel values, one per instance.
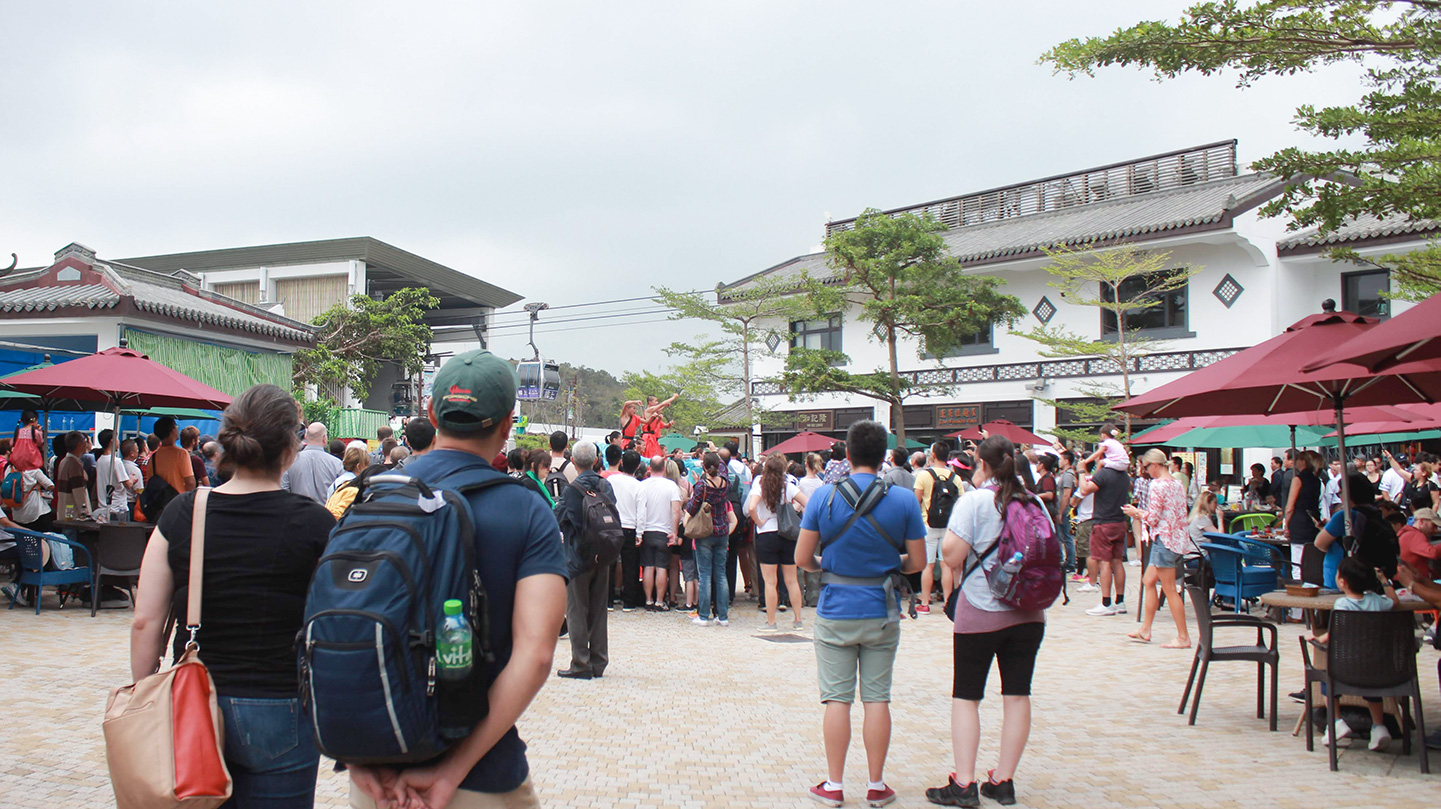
(863, 502)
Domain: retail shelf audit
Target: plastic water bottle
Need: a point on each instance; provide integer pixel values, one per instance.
(1003, 580)
(454, 653)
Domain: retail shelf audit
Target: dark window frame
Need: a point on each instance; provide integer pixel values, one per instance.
(1349, 305)
(1168, 329)
(830, 332)
(974, 349)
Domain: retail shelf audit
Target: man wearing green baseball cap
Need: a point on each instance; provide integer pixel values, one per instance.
(520, 560)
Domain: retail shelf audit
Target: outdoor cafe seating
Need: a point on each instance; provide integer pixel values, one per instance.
(1263, 652)
(31, 544)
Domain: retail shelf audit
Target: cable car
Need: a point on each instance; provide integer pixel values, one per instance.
(539, 380)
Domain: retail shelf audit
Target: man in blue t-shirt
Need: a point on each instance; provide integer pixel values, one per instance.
(857, 626)
(521, 562)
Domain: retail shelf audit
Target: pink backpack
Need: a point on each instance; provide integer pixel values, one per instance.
(1028, 575)
(25, 452)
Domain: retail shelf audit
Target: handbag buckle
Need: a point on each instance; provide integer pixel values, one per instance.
(193, 644)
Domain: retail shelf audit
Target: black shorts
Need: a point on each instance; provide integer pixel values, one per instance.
(1014, 649)
(772, 550)
(654, 552)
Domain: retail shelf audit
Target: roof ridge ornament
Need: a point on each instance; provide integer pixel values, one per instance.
(14, 262)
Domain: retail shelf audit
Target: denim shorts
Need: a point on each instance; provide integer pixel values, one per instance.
(1161, 556)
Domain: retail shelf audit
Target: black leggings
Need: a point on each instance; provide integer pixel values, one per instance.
(1014, 649)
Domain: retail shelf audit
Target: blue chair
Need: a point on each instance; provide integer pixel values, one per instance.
(32, 565)
(1235, 579)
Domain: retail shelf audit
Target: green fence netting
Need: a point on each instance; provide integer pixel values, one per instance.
(231, 370)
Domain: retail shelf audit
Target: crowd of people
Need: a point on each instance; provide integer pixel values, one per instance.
(856, 534)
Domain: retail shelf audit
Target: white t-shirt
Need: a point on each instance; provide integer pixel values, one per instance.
(735, 467)
(808, 485)
(653, 505)
(766, 518)
(111, 471)
(1392, 484)
(37, 502)
(1087, 507)
(626, 489)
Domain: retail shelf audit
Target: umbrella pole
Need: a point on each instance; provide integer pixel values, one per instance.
(1345, 481)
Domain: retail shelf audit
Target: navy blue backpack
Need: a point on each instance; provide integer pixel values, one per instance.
(366, 651)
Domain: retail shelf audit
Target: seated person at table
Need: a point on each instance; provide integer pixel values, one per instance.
(1430, 592)
(1359, 585)
(1376, 543)
(1420, 547)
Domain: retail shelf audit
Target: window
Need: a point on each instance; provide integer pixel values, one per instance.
(817, 334)
(982, 342)
(1167, 315)
(1365, 293)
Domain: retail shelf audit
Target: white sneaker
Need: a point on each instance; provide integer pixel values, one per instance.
(1342, 731)
(1120, 608)
(1134, 563)
(722, 622)
(1101, 609)
(1088, 588)
(699, 621)
(1380, 737)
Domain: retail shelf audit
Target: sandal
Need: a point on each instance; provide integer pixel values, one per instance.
(1137, 637)
(1176, 645)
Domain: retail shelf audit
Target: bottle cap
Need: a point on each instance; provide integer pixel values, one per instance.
(453, 606)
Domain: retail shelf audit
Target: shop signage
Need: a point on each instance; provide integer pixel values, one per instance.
(815, 420)
(957, 417)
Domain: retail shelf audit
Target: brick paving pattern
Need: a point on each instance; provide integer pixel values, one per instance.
(693, 717)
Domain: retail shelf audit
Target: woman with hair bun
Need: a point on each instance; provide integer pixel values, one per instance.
(261, 547)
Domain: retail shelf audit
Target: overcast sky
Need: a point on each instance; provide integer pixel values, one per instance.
(570, 151)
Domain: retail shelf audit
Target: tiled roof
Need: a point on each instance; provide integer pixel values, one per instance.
(1361, 228)
(41, 299)
(1133, 218)
(151, 292)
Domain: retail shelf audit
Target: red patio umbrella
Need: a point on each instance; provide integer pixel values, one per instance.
(1267, 379)
(1017, 435)
(116, 379)
(1412, 336)
(802, 442)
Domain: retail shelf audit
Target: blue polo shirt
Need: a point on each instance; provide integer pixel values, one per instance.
(515, 536)
(862, 552)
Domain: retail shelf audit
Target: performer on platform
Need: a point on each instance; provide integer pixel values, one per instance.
(630, 425)
(655, 424)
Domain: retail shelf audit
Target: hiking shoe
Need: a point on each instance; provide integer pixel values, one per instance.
(953, 794)
(1299, 696)
(1380, 737)
(769, 628)
(1101, 609)
(826, 797)
(924, 609)
(1002, 792)
(880, 797)
(699, 621)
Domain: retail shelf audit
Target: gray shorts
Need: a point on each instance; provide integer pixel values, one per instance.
(1083, 538)
(846, 647)
(654, 550)
(687, 569)
(933, 543)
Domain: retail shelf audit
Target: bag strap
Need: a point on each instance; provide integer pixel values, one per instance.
(197, 564)
(862, 502)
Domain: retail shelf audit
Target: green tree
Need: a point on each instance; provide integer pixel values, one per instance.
(698, 397)
(357, 336)
(896, 269)
(1395, 170)
(744, 316)
(1092, 278)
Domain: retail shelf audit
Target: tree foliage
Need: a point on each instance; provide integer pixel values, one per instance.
(698, 399)
(1090, 278)
(896, 270)
(356, 337)
(744, 315)
(1395, 171)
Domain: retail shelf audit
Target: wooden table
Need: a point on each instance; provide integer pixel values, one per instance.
(1324, 602)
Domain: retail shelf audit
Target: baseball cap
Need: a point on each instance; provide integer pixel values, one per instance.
(1427, 514)
(473, 391)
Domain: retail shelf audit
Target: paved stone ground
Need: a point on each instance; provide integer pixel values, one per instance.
(696, 717)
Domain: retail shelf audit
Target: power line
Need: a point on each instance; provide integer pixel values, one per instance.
(526, 316)
(603, 316)
(596, 326)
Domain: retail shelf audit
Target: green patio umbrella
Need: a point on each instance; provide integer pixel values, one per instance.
(1269, 435)
(891, 443)
(1384, 438)
(174, 412)
(1140, 438)
(675, 441)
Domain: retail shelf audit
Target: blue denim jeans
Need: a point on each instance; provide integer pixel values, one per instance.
(1068, 544)
(710, 561)
(270, 752)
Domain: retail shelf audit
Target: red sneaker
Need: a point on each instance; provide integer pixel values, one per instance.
(826, 797)
(880, 797)
(924, 609)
